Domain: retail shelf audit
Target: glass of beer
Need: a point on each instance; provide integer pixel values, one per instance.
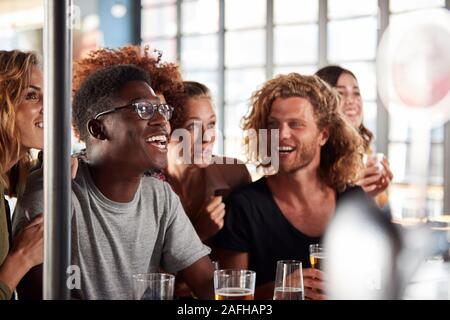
(289, 281)
(234, 284)
(316, 256)
(153, 286)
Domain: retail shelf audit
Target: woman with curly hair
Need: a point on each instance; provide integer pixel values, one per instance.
(279, 216)
(373, 179)
(21, 129)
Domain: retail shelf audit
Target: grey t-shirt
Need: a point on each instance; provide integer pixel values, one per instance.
(112, 241)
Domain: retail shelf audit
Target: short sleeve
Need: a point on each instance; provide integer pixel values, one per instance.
(182, 246)
(235, 235)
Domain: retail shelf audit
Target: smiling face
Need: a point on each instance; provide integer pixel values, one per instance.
(137, 143)
(29, 113)
(200, 124)
(300, 139)
(351, 103)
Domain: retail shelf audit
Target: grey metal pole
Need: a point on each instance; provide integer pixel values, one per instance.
(57, 183)
(383, 118)
(221, 77)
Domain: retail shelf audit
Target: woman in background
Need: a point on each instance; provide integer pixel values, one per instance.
(373, 180)
(201, 179)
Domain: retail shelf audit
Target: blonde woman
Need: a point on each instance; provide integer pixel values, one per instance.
(21, 128)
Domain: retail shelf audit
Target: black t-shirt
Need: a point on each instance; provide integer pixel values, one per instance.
(255, 224)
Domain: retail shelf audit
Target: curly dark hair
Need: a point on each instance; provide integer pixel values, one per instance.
(331, 75)
(166, 76)
(341, 156)
(97, 91)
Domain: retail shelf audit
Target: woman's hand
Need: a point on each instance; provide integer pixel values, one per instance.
(210, 219)
(29, 243)
(313, 283)
(373, 181)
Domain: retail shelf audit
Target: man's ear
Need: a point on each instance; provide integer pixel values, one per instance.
(324, 135)
(96, 129)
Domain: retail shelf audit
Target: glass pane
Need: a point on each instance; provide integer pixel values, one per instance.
(354, 39)
(306, 70)
(402, 5)
(167, 46)
(366, 75)
(240, 84)
(156, 2)
(233, 148)
(292, 11)
(398, 128)
(26, 40)
(351, 8)
(159, 22)
(436, 165)
(234, 113)
(233, 133)
(200, 16)
(437, 134)
(402, 199)
(370, 117)
(296, 44)
(21, 16)
(397, 160)
(245, 14)
(199, 52)
(247, 48)
(208, 78)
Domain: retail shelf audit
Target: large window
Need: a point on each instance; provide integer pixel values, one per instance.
(233, 46)
(402, 191)
(159, 26)
(352, 43)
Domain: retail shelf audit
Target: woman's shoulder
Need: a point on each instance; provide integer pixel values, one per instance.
(228, 165)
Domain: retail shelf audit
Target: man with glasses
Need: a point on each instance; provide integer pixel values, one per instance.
(124, 222)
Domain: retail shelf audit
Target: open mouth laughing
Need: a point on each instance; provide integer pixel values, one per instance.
(159, 141)
(285, 150)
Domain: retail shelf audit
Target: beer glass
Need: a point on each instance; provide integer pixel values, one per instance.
(316, 256)
(234, 284)
(288, 281)
(153, 286)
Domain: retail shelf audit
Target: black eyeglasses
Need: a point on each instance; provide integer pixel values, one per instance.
(145, 109)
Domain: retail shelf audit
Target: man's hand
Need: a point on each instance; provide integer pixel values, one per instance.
(313, 282)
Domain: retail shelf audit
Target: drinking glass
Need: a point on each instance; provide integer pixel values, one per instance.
(316, 256)
(234, 284)
(153, 286)
(289, 281)
(377, 158)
